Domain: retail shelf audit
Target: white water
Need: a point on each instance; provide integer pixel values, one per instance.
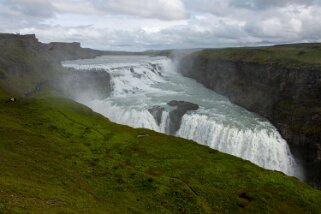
(141, 82)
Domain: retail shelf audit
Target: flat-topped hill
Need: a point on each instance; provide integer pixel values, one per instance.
(294, 55)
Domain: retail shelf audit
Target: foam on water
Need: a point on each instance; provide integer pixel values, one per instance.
(264, 147)
(141, 82)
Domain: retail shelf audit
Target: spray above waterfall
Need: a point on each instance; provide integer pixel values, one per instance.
(143, 92)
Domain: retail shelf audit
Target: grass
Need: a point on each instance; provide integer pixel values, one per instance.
(294, 56)
(57, 156)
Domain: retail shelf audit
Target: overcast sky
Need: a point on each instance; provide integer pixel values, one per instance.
(163, 24)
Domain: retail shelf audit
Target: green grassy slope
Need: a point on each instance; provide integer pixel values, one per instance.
(297, 55)
(282, 83)
(57, 156)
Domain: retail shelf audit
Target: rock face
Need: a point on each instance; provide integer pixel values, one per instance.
(28, 67)
(28, 40)
(157, 112)
(70, 51)
(176, 115)
(23, 62)
(289, 97)
(55, 50)
(176, 109)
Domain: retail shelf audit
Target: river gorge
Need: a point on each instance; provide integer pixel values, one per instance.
(148, 92)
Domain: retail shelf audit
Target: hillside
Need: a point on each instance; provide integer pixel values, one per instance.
(281, 83)
(28, 66)
(58, 156)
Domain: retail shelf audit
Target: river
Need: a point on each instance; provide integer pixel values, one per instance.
(140, 83)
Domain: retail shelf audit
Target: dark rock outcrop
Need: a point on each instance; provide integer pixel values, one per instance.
(71, 51)
(28, 67)
(2, 76)
(157, 112)
(176, 115)
(289, 97)
(28, 40)
(24, 62)
(176, 110)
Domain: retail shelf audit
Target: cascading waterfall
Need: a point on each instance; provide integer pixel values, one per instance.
(263, 147)
(125, 115)
(140, 83)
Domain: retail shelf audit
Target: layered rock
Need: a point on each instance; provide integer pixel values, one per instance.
(157, 112)
(28, 40)
(28, 67)
(71, 51)
(290, 97)
(24, 62)
(176, 115)
(176, 110)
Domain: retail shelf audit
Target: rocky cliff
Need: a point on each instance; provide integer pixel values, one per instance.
(24, 62)
(27, 66)
(71, 51)
(281, 83)
(176, 109)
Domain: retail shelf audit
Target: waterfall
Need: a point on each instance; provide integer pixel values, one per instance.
(125, 115)
(263, 147)
(141, 82)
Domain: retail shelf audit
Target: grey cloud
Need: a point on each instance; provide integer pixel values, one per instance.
(214, 23)
(162, 9)
(32, 8)
(271, 27)
(18, 14)
(45, 9)
(264, 4)
(189, 36)
(158, 9)
(230, 7)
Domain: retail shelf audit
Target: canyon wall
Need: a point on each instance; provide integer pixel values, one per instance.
(28, 67)
(287, 93)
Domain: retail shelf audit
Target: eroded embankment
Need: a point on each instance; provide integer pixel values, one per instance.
(28, 67)
(283, 89)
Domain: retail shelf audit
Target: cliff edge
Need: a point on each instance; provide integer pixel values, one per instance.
(281, 83)
(27, 66)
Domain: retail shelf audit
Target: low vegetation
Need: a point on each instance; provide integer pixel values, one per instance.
(57, 156)
(296, 56)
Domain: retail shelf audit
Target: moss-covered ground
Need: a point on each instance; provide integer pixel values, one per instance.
(295, 56)
(57, 156)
